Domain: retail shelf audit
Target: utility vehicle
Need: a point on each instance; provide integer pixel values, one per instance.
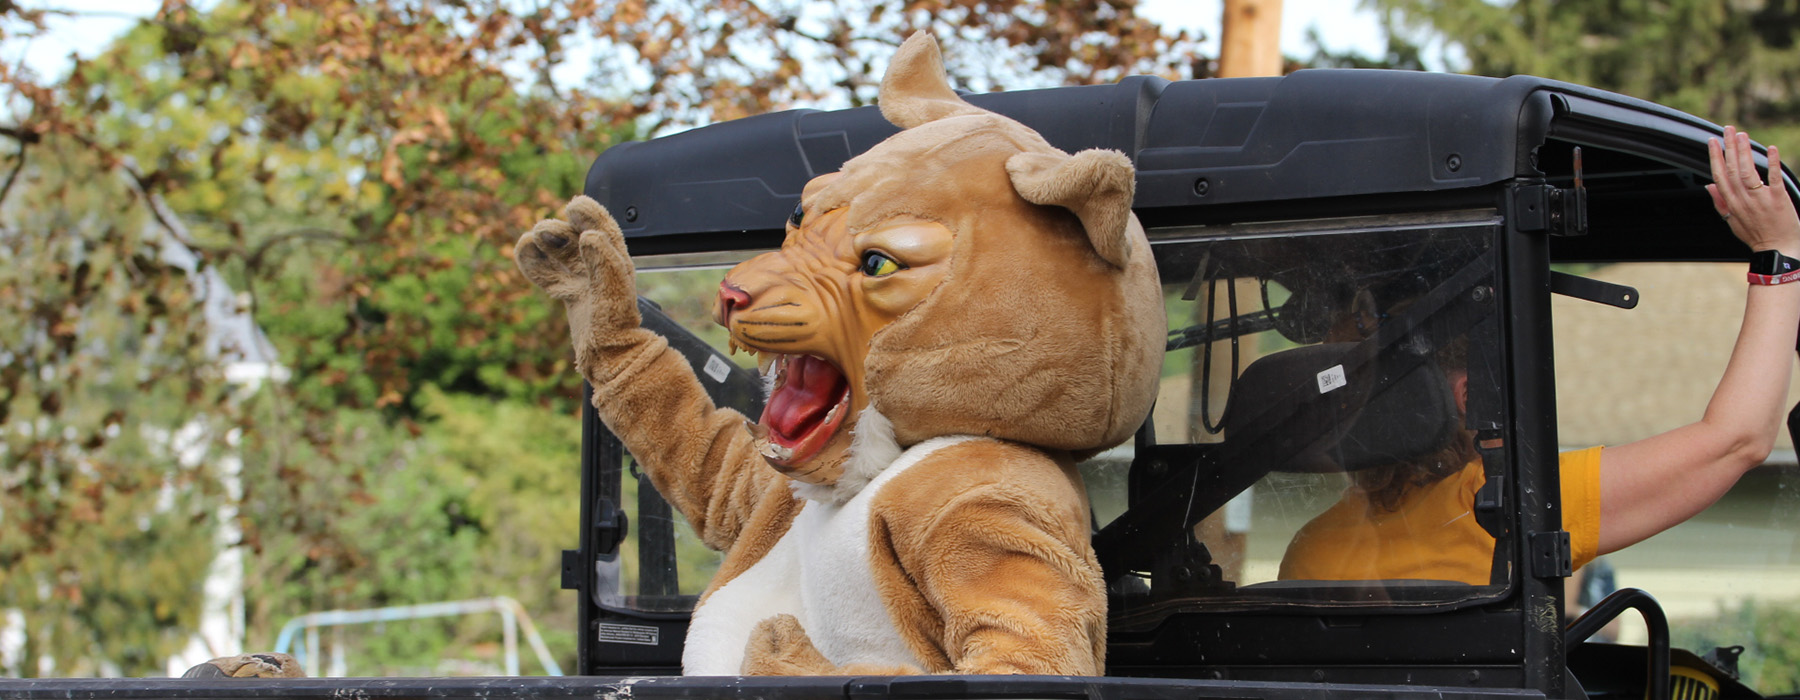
(1319, 237)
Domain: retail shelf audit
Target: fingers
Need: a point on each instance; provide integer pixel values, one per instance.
(608, 264)
(1718, 201)
(604, 256)
(1761, 214)
(555, 251)
(585, 214)
(1715, 153)
(1735, 177)
(1745, 165)
(544, 254)
(1731, 179)
(555, 236)
(1777, 179)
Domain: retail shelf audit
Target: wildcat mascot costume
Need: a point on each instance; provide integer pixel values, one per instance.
(954, 319)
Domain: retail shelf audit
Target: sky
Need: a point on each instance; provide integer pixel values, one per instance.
(1342, 24)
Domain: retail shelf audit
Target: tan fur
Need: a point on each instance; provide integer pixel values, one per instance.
(1026, 311)
(999, 532)
(1096, 185)
(700, 457)
(914, 92)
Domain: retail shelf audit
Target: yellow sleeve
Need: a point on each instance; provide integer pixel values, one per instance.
(1581, 502)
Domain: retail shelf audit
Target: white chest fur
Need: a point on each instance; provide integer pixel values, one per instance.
(818, 572)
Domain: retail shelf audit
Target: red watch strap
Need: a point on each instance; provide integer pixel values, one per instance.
(1766, 280)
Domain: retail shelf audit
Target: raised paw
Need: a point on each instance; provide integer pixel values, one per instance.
(779, 647)
(581, 260)
(582, 253)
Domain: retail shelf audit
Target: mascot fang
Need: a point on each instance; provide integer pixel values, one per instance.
(954, 319)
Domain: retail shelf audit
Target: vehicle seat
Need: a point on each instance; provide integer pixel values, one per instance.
(1339, 407)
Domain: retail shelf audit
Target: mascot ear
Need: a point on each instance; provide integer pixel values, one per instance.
(914, 90)
(1097, 185)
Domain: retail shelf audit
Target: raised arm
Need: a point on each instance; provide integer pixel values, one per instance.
(1652, 484)
(698, 455)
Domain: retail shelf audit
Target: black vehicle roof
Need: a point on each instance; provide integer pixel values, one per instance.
(1212, 150)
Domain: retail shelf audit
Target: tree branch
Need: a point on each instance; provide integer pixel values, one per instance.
(254, 259)
(25, 136)
(13, 176)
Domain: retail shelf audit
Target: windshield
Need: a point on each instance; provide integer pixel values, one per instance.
(1314, 441)
(1315, 438)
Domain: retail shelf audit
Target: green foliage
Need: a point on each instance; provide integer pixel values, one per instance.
(367, 202)
(109, 423)
(357, 172)
(475, 501)
(1768, 631)
(1729, 62)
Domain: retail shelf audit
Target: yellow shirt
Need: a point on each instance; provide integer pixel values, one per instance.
(1433, 534)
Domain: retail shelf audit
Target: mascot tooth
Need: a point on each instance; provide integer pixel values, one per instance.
(955, 319)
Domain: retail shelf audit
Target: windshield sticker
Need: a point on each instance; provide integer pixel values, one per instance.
(717, 368)
(1332, 379)
(627, 634)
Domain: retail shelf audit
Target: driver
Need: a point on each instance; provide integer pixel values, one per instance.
(1416, 520)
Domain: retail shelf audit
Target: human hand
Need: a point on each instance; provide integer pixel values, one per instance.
(1761, 215)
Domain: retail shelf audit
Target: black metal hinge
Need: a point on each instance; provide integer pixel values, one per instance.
(1550, 209)
(571, 569)
(1550, 555)
(1554, 210)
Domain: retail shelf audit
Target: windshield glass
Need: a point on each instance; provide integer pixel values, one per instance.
(1314, 441)
(662, 566)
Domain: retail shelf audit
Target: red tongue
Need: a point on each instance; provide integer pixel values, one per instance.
(813, 386)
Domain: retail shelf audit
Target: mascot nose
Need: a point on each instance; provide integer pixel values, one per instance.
(731, 299)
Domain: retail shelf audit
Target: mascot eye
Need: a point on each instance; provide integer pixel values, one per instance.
(799, 214)
(876, 264)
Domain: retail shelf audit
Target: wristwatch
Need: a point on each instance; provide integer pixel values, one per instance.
(1771, 267)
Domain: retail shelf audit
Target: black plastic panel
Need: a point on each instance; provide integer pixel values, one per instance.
(913, 688)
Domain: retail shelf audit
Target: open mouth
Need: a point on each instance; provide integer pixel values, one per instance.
(805, 408)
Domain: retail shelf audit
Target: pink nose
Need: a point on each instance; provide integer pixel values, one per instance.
(731, 299)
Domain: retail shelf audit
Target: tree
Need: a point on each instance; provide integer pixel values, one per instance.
(301, 143)
(107, 457)
(1728, 62)
(358, 172)
(682, 63)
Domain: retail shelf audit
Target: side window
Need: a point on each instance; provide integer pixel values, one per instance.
(1731, 575)
(1310, 435)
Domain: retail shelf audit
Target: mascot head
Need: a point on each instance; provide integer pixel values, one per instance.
(963, 277)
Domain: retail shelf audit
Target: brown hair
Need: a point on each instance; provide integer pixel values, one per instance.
(1387, 485)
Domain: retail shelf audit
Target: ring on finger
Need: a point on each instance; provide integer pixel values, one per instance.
(1756, 186)
(1726, 216)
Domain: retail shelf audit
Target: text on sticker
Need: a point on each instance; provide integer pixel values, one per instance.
(717, 368)
(1332, 379)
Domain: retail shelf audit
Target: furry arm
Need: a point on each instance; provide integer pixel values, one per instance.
(698, 456)
(985, 547)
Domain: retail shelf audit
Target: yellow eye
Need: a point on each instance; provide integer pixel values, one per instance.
(876, 264)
